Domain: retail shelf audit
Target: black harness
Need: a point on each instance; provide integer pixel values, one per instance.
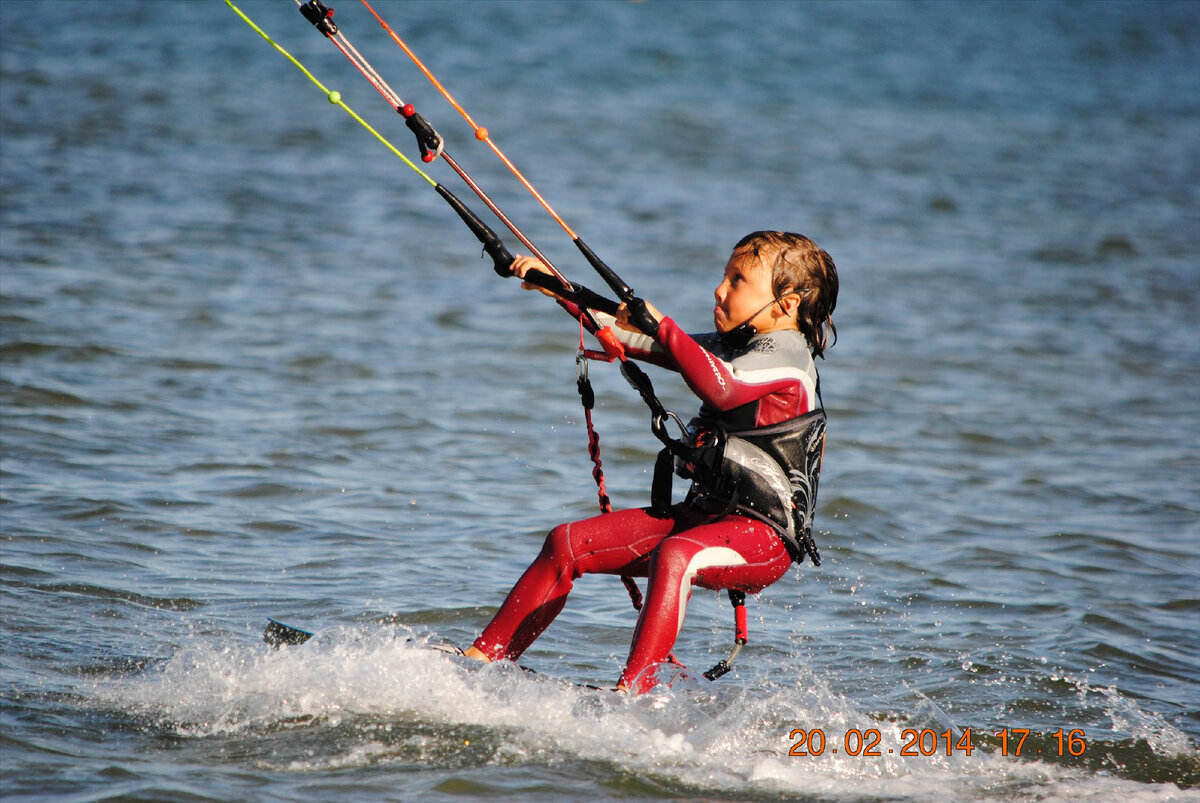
(767, 473)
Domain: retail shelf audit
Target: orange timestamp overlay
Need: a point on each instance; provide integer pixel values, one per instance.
(929, 742)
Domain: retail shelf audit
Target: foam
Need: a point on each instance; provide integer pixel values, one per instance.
(390, 700)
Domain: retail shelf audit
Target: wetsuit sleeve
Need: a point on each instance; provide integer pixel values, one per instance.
(638, 345)
(780, 385)
(721, 386)
(709, 378)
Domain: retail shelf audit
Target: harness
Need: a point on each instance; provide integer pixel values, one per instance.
(767, 473)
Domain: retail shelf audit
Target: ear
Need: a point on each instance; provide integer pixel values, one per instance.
(789, 303)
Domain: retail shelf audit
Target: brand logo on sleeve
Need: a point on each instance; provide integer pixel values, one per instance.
(716, 370)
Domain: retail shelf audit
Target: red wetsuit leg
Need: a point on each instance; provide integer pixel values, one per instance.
(613, 543)
(734, 552)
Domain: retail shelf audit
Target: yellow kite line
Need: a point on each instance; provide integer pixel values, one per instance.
(334, 96)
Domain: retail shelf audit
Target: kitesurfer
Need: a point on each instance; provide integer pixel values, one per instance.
(760, 429)
(753, 453)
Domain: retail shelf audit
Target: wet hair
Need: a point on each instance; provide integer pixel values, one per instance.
(798, 265)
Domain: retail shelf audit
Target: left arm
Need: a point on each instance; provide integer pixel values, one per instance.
(723, 385)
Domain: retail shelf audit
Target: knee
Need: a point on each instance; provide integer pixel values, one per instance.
(671, 559)
(557, 548)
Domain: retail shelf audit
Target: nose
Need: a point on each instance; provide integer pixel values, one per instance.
(721, 290)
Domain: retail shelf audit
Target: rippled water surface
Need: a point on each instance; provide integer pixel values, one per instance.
(251, 366)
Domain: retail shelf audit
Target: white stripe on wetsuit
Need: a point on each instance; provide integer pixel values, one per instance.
(706, 558)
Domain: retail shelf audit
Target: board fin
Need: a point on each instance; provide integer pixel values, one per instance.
(278, 634)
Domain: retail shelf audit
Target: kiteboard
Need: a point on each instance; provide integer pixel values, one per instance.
(278, 635)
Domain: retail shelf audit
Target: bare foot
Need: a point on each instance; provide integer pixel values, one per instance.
(477, 654)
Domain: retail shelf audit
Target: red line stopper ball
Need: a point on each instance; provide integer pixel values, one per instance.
(407, 110)
(428, 157)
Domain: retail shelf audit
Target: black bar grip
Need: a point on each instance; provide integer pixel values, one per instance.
(624, 292)
(577, 293)
(641, 316)
(502, 258)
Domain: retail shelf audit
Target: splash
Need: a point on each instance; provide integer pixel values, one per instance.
(1162, 737)
(355, 698)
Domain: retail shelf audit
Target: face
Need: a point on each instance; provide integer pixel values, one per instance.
(744, 291)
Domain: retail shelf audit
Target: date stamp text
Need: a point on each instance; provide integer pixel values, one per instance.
(930, 742)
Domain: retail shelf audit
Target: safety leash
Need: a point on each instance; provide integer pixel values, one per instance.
(588, 398)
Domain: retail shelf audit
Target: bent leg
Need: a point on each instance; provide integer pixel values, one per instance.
(612, 543)
(735, 552)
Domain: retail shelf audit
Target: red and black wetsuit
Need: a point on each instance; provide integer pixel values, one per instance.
(769, 381)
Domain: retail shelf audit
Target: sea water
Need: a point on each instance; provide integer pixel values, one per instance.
(251, 366)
